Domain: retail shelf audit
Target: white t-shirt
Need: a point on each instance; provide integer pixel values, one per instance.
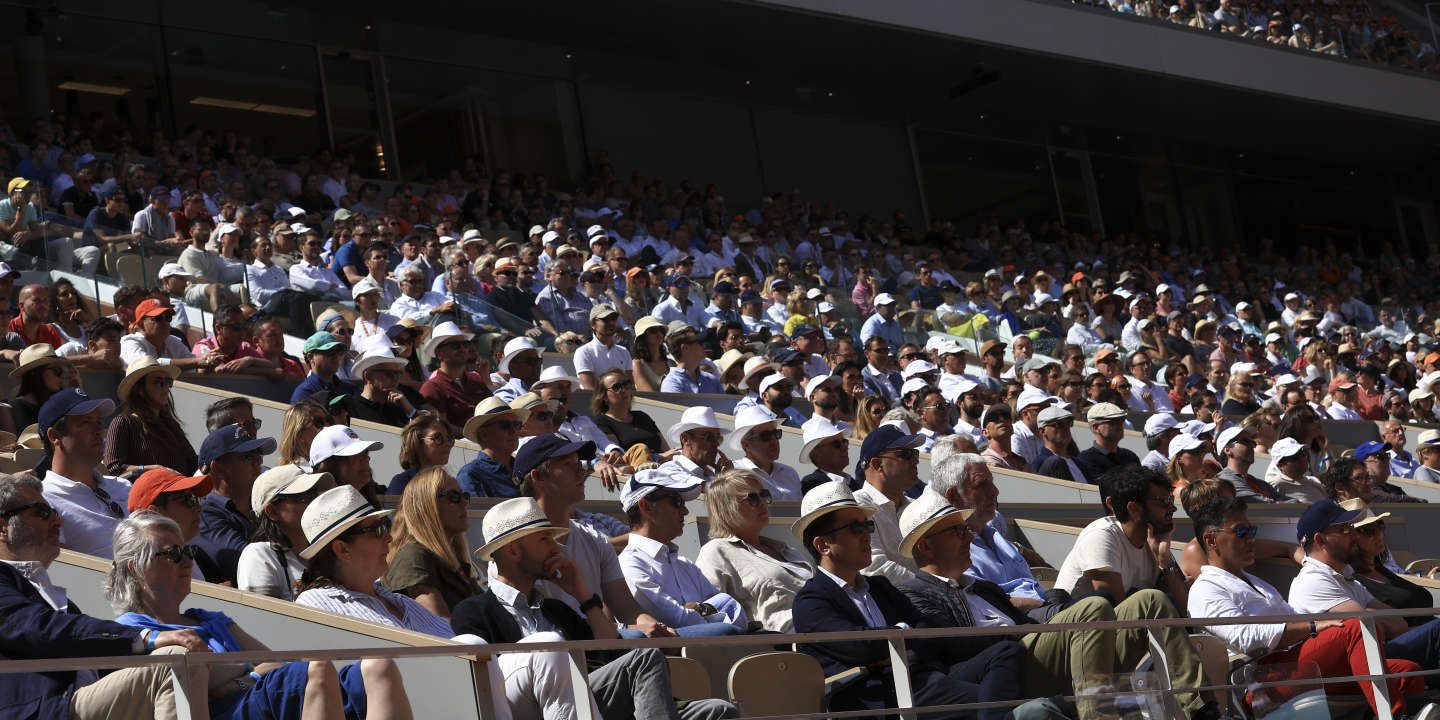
(1102, 545)
(1317, 588)
(261, 571)
(89, 523)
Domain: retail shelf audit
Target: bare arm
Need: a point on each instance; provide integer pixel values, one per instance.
(430, 599)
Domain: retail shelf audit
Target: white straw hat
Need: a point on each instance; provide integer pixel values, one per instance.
(511, 520)
(332, 513)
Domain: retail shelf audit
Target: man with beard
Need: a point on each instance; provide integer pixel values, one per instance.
(1126, 555)
(1236, 448)
(777, 392)
(969, 398)
(823, 392)
(827, 447)
(992, 359)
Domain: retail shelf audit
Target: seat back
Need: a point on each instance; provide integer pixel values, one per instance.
(777, 683)
(131, 269)
(1215, 662)
(688, 679)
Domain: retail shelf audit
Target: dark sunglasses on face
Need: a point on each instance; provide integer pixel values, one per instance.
(858, 527)
(184, 497)
(621, 386)
(765, 436)
(459, 497)
(905, 454)
(756, 498)
(379, 529)
(42, 510)
(177, 553)
(912, 356)
(1243, 532)
(672, 498)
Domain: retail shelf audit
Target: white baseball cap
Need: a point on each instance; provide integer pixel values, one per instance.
(644, 482)
(1159, 423)
(884, 299)
(339, 441)
(169, 270)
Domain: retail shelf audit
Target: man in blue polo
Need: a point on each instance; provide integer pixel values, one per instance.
(231, 457)
(325, 353)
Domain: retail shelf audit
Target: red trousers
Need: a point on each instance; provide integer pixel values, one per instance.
(1340, 651)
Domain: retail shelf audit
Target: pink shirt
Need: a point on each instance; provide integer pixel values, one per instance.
(210, 343)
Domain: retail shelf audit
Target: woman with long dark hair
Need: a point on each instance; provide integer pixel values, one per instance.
(146, 432)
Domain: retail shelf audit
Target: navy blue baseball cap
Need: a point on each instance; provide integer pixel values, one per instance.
(1322, 515)
(71, 401)
(229, 440)
(885, 437)
(1195, 381)
(1370, 448)
(723, 288)
(677, 280)
(750, 296)
(785, 356)
(540, 448)
(804, 329)
(159, 191)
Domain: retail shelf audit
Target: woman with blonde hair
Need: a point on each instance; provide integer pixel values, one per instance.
(424, 443)
(302, 421)
(429, 557)
(801, 311)
(1187, 462)
(761, 573)
(872, 410)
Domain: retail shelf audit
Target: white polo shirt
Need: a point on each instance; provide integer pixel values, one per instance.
(594, 357)
(89, 523)
(1318, 587)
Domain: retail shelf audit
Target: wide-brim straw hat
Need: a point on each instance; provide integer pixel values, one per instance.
(141, 368)
(331, 514)
(35, 357)
(511, 520)
(822, 500)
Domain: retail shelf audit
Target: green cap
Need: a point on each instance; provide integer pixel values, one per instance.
(322, 342)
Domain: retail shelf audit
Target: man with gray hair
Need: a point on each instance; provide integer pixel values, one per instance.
(416, 301)
(965, 480)
(39, 622)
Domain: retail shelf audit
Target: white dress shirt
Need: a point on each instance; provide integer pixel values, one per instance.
(885, 556)
(860, 595)
(89, 522)
(663, 582)
(39, 577)
(417, 310)
(763, 585)
(783, 481)
(315, 279)
(1218, 593)
(265, 281)
(580, 428)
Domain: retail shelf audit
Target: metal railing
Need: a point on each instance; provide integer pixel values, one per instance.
(189, 703)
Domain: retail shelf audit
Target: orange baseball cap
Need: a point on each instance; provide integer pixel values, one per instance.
(153, 483)
(151, 308)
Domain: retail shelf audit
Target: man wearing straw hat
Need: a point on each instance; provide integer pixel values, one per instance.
(835, 530)
(523, 549)
(698, 436)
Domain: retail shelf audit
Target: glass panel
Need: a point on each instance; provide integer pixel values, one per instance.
(355, 112)
(972, 179)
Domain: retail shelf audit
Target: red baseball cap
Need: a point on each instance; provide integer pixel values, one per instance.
(151, 308)
(152, 483)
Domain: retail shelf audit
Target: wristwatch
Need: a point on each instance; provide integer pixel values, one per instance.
(593, 602)
(706, 609)
(1313, 631)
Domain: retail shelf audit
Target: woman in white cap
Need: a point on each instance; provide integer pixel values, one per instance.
(370, 322)
(149, 581)
(757, 435)
(429, 556)
(339, 451)
(146, 432)
(648, 363)
(349, 542)
(761, 573)
(381, 399)
(41, 374)
(1187, 461)
(271, 565)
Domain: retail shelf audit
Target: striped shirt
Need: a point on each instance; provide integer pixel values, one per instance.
(372, 608)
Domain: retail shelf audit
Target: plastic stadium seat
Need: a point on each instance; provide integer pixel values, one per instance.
(777, 683)
(716, 662)
(1045, 575)
(1215, 661)
(131, 269)
(688, 679)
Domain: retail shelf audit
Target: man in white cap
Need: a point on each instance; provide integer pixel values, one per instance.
(667, 585)
(951, 355)
(175, 282)
(698, 436)
(777, 393)
(603, 352)
(883, 323)
(520, 366)
(827, 447)
(1160, 429)
(1026, 441)
(934, 412)
(836, 530)
(968, 397)
(1289, 472)
(757, 437)
(518, 606)
(823, 392)
(1236, 448)
(756, 370)
(1056, 459)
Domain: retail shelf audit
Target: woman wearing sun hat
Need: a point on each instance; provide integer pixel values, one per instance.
(146, 432)
(41, 374)
(349, 541)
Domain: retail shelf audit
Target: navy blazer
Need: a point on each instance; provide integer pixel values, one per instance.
(821, 606)
(31, 630)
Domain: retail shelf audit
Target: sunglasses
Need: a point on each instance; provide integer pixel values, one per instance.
(858, 527)
(184, 497)
(765, 436)
(621, 386)
(1244, 532)
(42, 510)
(674, 500)
(960, 529)
(164, 382)
(380, 528)
(912, 356)
(177, 553)
(756, 498)
(343, 331)
(1375, 528)
(459, 497)
(904, 454)
(300, 497)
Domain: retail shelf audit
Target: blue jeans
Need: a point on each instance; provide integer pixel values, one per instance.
(1420, 644)
(705, 630)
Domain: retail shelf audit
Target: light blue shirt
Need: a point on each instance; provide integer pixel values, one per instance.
(994, 558)
(679, 381)
(511, 390)
(878, 326)
(663, 581)
(669, 310)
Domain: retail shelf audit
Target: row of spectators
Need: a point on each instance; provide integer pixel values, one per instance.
(1342, 29)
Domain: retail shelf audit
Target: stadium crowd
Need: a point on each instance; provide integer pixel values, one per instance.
(1352, 29)
(980, 348)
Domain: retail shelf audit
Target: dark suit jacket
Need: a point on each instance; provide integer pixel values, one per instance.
(486, 616)
(939, 604)
(31, 630)
(820, 477)
(821, 606)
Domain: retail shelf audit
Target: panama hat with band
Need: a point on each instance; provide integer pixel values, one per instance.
(331, 514)
(817, 430)
(750, 418)
(1367, 516)
(489, 410)
(286, 480)
(822, 500)
(928, 513)
(444, 332)
(699, 417)
(513, 349)
(511, 520)
(143, 367)
(35, 357)
(377, 357)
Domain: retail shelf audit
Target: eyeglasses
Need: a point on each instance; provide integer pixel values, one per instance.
(1375, 528)
(42, 510)
(764, 436)
(1243, 532)
(177, 553)
(858, 527)
(184, 497)
(756, 498)
(912, 356)
(459, 497)
(542, 415)
(379, 529)
(960, 529)
(343, 331)
(164, 382)
(675, 500)
(166, 318)
(621, 386)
